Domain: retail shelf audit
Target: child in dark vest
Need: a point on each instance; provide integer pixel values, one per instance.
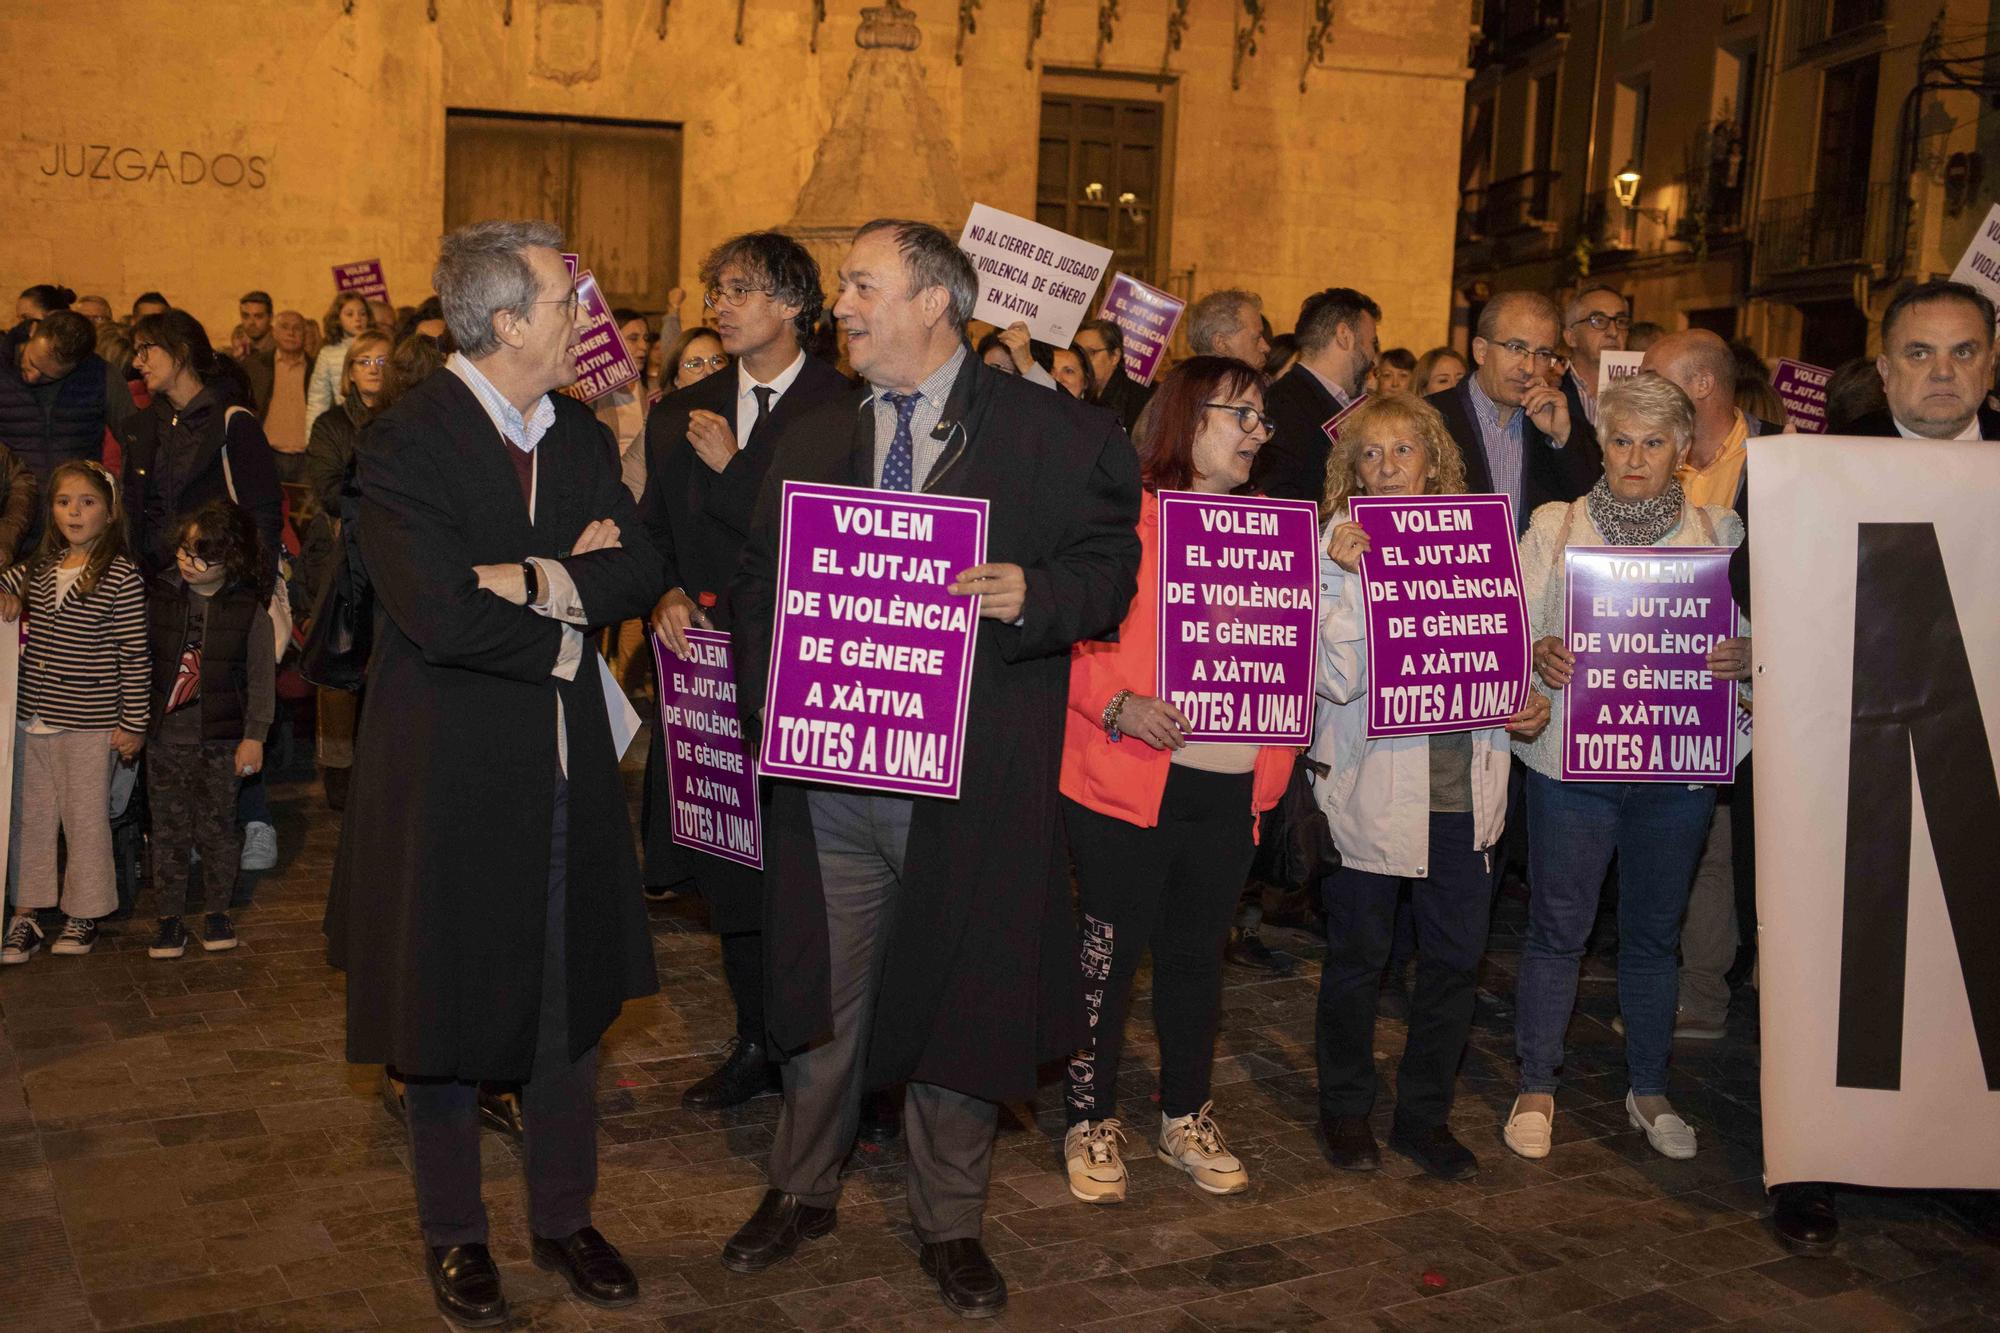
(214, 695)
(81, 707)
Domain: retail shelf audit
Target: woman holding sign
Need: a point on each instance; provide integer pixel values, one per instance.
(1656, 828)
(1419, 809)
(1161, 831)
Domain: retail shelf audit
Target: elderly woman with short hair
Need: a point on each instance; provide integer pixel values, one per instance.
(1657, 829)
(1416, 811)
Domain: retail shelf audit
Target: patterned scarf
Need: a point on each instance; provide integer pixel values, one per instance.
(1635, 522)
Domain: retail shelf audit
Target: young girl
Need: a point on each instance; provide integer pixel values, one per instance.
(83, 697)
(214, 683)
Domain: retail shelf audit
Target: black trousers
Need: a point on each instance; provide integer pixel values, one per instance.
(1172, 889)
(1453, 905)
(558, 1108)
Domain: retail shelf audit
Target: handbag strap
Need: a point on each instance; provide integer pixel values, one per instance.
(228, 475)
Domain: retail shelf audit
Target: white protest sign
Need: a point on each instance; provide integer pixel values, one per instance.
(1031, 273)
(1979, 267)
(1615, 366)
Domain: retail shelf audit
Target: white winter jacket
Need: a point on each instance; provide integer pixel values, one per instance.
(1378, 796)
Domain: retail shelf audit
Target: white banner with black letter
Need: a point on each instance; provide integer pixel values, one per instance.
(1878, 808)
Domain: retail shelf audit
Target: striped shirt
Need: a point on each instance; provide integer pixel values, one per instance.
(85, 665)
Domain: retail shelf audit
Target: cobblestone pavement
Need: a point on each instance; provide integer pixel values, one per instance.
(182, 1146)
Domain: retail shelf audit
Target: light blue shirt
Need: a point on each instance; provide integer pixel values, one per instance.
(1504, 446)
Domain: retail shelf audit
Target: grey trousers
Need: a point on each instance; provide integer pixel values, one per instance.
(861, 839)
(64, 782)
(1708, 935)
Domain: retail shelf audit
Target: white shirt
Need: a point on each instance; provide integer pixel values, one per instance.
(1971, 431)
(746, 397)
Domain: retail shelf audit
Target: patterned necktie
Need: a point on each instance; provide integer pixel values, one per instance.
(899, 469)
(763, 392)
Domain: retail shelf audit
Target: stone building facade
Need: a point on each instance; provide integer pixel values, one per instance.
(209, 146)
(1796, 159)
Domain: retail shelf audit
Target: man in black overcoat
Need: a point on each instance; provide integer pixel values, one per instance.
(485, 901)
(931, 940)
(708, 447)
(1510, 423)
(1102, 343)
(1338, 344)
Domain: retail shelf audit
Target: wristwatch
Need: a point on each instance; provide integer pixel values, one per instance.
(531, 581)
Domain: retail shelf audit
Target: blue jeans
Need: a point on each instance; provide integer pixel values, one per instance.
(1657, 829)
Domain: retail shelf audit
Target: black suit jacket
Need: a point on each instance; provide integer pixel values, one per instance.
(1547, 474)
(1292, 463)
(1883, 423)
(696, 516)
(1125, 396)
(979, 981)
(1584, 458)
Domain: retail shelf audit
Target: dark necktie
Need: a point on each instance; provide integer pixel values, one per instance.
(764, 394)
(899, 469)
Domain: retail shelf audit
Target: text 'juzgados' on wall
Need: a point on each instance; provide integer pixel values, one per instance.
(112, 162)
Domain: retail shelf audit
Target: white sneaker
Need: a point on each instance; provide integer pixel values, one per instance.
(1528, 1133)
(1670, 1135)
(1096, 1171)
(260, 846)
(24, 939)
(1194, 1144)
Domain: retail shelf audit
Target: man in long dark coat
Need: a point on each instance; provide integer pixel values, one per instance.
(708, 447)
(919, 939)
(485, 901)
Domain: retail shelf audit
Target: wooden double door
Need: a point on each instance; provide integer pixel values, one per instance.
(614, 187)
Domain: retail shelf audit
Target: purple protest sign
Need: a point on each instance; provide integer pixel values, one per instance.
(713, 786)
(1239, 615)
(569, 262)
(1447, 628)
(1802, 389)
(603, 361)
(1332, 424)
(364, 276)
(1641, 705)
(1147, 317)
(871, 659)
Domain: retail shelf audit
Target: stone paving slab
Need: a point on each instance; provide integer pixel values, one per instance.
(182, 1146)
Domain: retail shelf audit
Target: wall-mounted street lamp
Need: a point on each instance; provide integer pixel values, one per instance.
(1626, 185)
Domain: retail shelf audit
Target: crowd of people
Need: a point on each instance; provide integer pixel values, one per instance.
(190, 521)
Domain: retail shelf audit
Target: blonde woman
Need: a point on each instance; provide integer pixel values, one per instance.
(1421, 811)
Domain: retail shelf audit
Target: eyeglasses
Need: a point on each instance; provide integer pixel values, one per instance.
(139, 349)
(735, 294)
(716, 362)
(1600, 321)
(194, 560)
(370, 362)
(1249, 418)
(1545, 355)
(568, 303)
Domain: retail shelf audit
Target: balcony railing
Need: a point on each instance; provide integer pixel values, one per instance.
(1830, 227)
(1823, 20)
(1519, 203)
(1510, 27)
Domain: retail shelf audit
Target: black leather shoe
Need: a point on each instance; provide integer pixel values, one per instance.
(466, 1284)
(774, 1232)
(965, 1277)
(1803, 1215)
(1350, 1143)
(748, 1072)
(591, 1265)
(1435, 1150)
(1246, 948)
(881, 1116)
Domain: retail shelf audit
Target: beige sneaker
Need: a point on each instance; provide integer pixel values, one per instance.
(1528, 1133)
(1096, 1171)
(1194, 1144)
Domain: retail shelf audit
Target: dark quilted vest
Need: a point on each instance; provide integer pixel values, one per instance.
(225, 655)
(48, 424)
